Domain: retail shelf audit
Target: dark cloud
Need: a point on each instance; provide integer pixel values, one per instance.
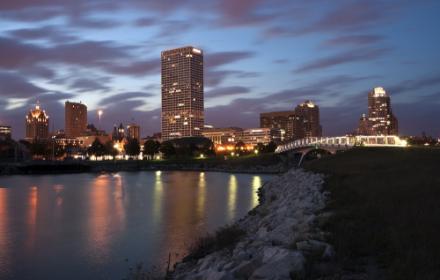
(104, 55)
(355, 55)
(51, 33)
(221, 58)
(139, 68)
(144, 22)
(84, 85)
(226, 91)
(353, 15)
(353, 40)
(92, 23)
(215, 77)
(415, 84)
(13, 85)
(115, 99)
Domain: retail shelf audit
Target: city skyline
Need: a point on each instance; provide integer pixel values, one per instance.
(257, 59)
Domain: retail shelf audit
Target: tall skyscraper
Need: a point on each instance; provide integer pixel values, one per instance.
(381, 120)
(37, 124)
(75, 119)
(182, 93)
(134, 131)
(310, 114)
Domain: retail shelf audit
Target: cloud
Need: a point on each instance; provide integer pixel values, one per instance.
(115, 99)
(139, 68)
(218, 59)
(226, 91)
(355, 55)
(353, 40)
(52, 33)
(12, 85)
(144, 22)
(414, 85)
(355, 16)
(84, 85)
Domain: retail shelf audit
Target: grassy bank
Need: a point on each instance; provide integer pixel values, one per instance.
(387, 209)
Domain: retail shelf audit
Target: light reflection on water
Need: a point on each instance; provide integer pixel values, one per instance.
(85, 225)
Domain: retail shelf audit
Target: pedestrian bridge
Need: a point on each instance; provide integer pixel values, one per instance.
(333, 144)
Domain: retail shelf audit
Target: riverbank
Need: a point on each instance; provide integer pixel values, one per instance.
(262, 164)
(280, 239)
(386, 211)
(373, 214)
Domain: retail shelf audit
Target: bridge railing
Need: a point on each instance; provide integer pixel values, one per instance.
(344, 142)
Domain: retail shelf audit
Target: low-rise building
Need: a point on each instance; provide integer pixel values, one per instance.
(253, 136)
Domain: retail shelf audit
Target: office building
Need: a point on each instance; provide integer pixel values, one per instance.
(75, 119)
(253, 136)
(223, 136)
(5, 132)
(381, 120)
(118, 133)
(37, 124)
(309, 112)
(182, 93)
(363, 126)
(301, 122)
(134, 131)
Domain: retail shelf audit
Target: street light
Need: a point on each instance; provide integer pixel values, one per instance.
(100, 112)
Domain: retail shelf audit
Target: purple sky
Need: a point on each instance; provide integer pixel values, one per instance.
(259, 56)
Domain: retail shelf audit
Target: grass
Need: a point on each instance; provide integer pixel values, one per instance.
(387, 206)
(225, 237)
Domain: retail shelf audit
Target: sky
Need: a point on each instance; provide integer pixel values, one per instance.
(259, 56)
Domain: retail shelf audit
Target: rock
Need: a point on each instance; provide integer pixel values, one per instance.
(281, 267)
(245, 269)
(217, 275)
(286, 220)
(313, 248)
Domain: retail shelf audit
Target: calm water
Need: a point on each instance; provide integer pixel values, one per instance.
(86, 225)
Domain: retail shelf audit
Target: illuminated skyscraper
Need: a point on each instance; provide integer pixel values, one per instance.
(37, 124)
(381, 120)
(182, 93)
(75, 119)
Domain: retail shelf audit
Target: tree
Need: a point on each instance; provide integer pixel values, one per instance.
(240, 147)
(270, 147)
(167, 149)
(132, 148)
(110, 149)
(260, 147)
(151, 147)
(97, 148)
(39, 148)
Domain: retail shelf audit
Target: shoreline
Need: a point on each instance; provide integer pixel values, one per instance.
(72, 167)
(282, 236)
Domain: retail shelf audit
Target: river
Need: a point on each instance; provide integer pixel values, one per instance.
(96, 226)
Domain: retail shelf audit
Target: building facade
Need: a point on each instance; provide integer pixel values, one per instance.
(223, 136)
(381, 120)
(182, 93)
(5, 132)
(309, 112)
(299, 123)
(118, 133)
(134, 131)
(254, 136)
(37, 124)
(75, 119)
